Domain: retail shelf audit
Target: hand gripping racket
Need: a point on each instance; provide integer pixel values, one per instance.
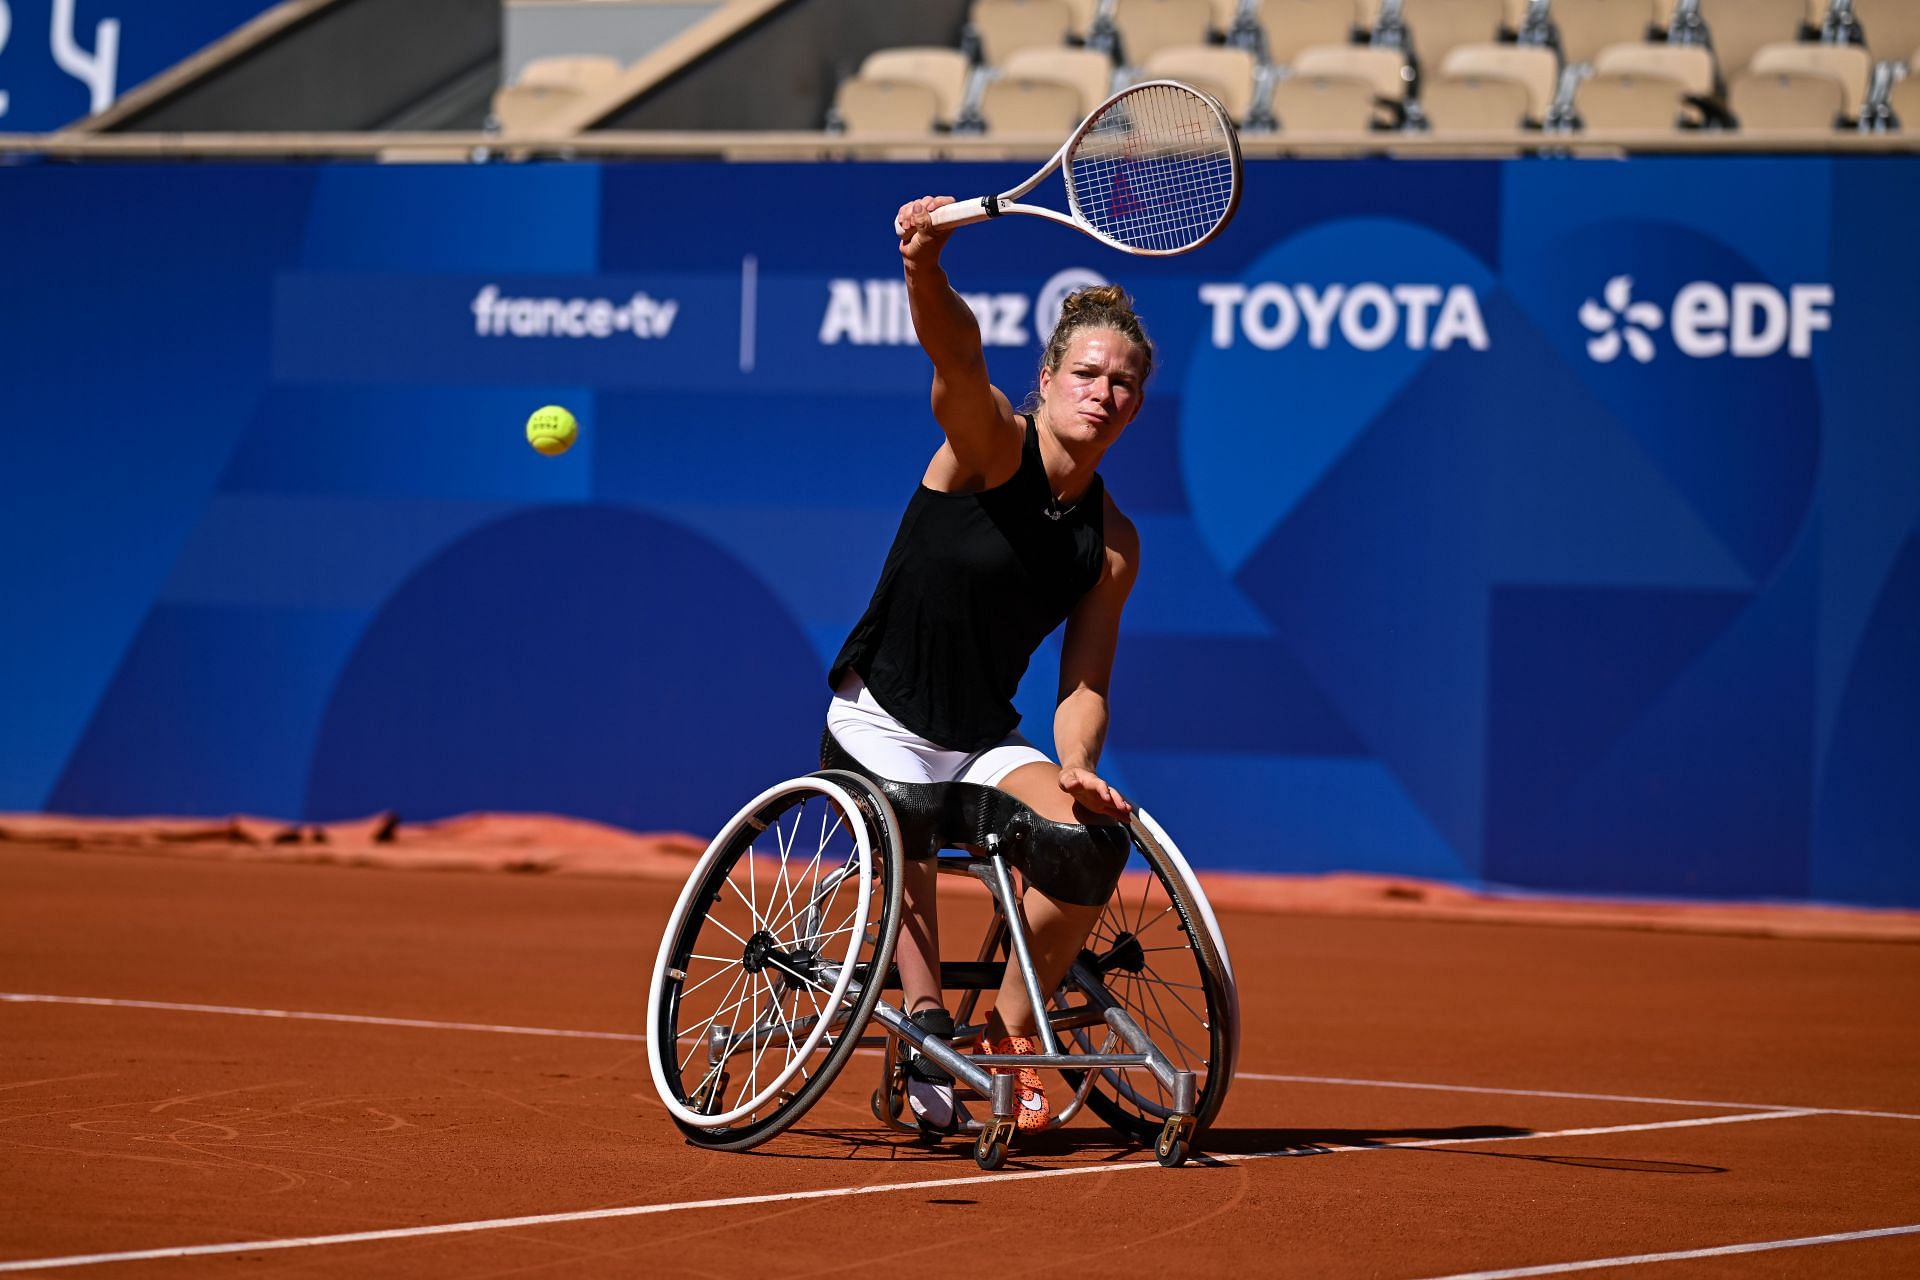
(1155, 170)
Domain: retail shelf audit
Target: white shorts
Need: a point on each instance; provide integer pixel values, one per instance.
(896, 753)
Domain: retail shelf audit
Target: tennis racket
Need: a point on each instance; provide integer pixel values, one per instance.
(1155, 170)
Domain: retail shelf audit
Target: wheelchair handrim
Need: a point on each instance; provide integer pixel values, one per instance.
(693, 891)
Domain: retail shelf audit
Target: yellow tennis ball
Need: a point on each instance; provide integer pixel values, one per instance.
(552, 430)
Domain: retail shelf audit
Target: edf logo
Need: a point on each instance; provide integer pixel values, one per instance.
(1748, 321)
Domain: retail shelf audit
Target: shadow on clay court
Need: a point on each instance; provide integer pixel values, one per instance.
(1102, 1146)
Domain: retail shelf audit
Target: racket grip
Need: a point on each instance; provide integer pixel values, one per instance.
(963, 213)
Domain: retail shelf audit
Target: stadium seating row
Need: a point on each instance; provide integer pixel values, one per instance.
(1036, 66)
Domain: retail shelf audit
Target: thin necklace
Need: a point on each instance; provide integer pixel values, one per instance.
(1055, 509)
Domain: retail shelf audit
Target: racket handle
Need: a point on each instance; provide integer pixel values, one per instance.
(963, 213)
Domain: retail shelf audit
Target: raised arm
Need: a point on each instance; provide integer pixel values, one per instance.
(983, 442)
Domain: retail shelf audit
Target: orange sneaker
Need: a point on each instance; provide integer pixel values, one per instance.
(1029, 1098)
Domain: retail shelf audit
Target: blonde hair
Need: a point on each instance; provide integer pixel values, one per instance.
(1103, 306)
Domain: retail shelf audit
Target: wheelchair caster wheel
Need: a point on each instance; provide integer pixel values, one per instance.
(886, 1107)
(1176, 1139)
(990, 1148)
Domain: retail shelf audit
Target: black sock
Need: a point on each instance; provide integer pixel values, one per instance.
(935, 1022)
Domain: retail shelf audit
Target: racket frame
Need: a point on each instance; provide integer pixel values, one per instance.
(964, 213)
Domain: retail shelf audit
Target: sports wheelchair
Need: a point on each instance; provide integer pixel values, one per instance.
(779, 952)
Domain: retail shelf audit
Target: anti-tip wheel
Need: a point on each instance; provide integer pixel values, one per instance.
(1176, 1140)
(990, 1148)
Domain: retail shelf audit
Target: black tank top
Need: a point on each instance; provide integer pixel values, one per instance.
(972, 584)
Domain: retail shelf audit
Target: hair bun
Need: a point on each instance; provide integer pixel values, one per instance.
(1094, 300)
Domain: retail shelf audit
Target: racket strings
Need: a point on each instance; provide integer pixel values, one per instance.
(1156, 170)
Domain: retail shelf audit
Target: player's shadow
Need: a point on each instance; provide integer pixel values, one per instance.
(1455, 1141)
(1307, 1142)
(1226, 1145)
(1101, 1145)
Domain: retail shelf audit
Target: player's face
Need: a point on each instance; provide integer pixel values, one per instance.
(1096, 390)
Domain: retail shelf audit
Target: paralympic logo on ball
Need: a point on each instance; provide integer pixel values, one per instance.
(1747, 320)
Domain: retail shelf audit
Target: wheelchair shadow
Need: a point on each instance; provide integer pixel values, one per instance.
(1218, 1146)
(834, 1143)
(1453, 1141)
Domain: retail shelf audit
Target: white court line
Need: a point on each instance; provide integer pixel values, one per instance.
(828, 1193)
(1559, 1093)
(16, 997)
(1761, 1246)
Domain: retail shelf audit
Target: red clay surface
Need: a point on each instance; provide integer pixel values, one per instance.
(126, 1128)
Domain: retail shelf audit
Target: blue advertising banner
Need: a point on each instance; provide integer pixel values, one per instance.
(61, 60)
(1537, 523)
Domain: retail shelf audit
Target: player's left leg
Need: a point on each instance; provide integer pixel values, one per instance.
(1056, 932)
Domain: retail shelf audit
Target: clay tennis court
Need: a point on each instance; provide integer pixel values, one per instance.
(298, 1068)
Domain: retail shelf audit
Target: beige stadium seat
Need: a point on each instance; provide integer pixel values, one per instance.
(1007, 25)
(1292, 25)
(867, 106)
(1690, 64)
(1084, 12)
(1529, 65)
(1227, 74)
(1148, 26)
(1892, 27)
(1437, 27)
(1383, 69)
(1225, 14)
(1088, 71)
(586, 71)
(1337, 105)
(1622, 101)
(944, 71)
(1786, 101)
(1588, 26)
(1475, 104)
(1847, 63)
(1017, 104)
(1740, 27)
(548, 88)
(1905, 101)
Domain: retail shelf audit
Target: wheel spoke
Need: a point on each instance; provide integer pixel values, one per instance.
(1174, 989)
(1158, 916)
(752, 887)
(700, 1036)
(753, 911)
(720, 973)
(813, 864)
(1166, 1025)
(722, 926)
(784, 843)
(761, 1050)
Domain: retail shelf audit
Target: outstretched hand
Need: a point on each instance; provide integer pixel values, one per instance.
(1090, 791)
(919, 238)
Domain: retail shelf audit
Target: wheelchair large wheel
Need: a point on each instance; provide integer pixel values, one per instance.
(1159, 953)
(766, 973)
